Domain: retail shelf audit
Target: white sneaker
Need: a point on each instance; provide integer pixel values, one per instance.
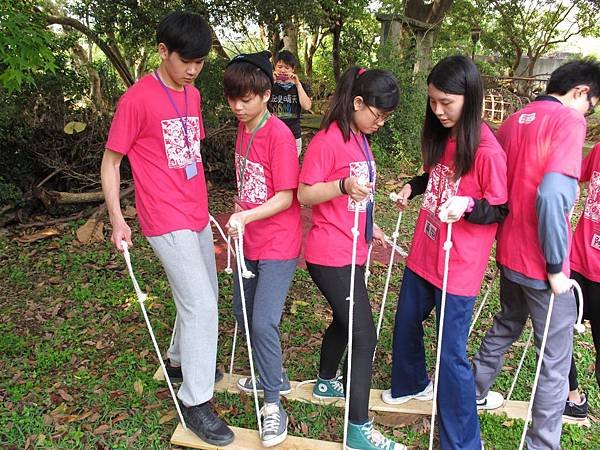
(424, 395)
(493, 400)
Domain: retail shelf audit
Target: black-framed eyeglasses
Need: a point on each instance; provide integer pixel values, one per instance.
(378, 116)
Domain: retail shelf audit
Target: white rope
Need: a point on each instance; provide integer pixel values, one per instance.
(537, 370)
(395, 234)
(173, 332)
(579, 327)
(489, 289)
(141, 297)
(521, 361)
(239, 258)
(235, 332)
(227, 239)
(368, 265)
(447, 247)
(350, 298)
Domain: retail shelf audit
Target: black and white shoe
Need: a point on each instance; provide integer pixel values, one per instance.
(205, 424)
(576, 410)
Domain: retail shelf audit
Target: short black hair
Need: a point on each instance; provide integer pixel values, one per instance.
(186, 33)
(243, 78)
(287, 57)
(581, 71)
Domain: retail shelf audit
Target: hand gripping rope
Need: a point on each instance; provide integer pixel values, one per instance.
(393, 197)
(141, 297)
(350, 298)
(239, 258)
(578, 327)
(447, 247)
(483, 300)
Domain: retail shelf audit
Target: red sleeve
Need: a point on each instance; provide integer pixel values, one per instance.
(591, 162)
(125, 126)
(284, 160)
(318, 161)
(564, 152)
(492, 178)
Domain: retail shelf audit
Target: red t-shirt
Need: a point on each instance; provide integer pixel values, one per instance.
(272, 166)
(545, 136)
(585, 255)
(471, 242)
(328, 157)
(148, 130)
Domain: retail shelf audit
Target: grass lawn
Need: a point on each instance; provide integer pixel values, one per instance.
(76, 360)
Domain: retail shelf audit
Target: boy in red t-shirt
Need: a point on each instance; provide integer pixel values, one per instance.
(585, 262)
(543, 143)
(269, 216)
(158, 126)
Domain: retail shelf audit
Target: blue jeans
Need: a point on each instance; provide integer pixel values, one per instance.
(459, 424)
(265, 296)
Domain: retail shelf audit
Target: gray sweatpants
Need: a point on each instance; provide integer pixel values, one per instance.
(265, 296)
(189, 260)
(517, 303)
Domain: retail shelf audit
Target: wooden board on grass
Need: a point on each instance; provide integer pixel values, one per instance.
(513, 409)
(248, 439)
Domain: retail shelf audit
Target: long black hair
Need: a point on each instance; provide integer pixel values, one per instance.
(456, 75)
(378, 88)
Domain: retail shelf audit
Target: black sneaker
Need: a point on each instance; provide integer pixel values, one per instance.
(575, 411)
(176, 376)
(204, 422)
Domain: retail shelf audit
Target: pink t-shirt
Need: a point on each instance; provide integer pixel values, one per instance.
(328, 157)
(149, 131)
(271, 167)
(471, 242)
(585, 255)
(545, 136)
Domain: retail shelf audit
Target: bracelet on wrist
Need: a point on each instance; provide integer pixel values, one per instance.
(341, 183)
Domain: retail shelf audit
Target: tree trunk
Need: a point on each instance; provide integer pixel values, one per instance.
(218, 47)
(115, 59)
(80, 58)
(290, 37)
(424, 44)
(336, 31)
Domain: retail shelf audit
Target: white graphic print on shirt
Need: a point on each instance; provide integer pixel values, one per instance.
(254, 186)
(178, 155)
(592, 204)
(439, 188)
(359, 169)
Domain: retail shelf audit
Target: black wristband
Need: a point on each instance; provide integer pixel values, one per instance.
(342, 187)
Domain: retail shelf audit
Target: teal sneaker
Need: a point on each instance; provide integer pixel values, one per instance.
(365, 437)
(325, 389)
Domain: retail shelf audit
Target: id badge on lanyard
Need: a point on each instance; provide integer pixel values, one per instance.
(595, 242)
(432, 226)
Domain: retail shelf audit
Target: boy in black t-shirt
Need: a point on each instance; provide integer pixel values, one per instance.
(289, 96)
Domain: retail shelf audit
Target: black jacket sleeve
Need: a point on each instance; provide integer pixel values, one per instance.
(483, 213)
(418, 185)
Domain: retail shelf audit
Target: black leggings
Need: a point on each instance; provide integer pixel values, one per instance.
(334, 284)
(591, 312)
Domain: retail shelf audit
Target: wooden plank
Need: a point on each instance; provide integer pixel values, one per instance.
(248, 439)
(513, 409)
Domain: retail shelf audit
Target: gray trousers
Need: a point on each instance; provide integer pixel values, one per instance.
(517, 303)
(265, 296)
(189, 260)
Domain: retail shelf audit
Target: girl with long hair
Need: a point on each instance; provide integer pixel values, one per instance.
(464, 183)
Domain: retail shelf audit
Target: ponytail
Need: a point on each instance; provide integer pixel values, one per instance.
(378, 88)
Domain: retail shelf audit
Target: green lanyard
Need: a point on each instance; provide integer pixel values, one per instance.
(245, 161)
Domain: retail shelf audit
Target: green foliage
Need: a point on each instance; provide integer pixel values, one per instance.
(399, 141)
(9, 193)
(25, 45)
